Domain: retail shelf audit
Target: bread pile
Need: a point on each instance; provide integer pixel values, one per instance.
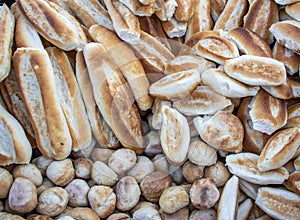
(150, 109)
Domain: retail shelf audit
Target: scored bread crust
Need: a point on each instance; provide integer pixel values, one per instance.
(34, 73)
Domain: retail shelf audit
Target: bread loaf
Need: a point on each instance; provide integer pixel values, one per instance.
(293, 10)
(139, 9)
(184, 10)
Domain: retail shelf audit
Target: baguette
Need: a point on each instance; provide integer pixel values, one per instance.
(54, 23)
(174, 28)
(7, 26)
(165, 9)
(102, 132)
(184, 10)
(216, 8)
(293, 10)
(35, 73)
(139, 9)
(113, 97)
(15, 147)
(125, 24)
(64, 4)
(70, 99)
(125, 59)
(91, 12)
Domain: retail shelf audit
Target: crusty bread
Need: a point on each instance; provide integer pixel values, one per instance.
(295, 84)
(25, 34)
(232, 15)
(70, 99)
(139, 9)
(287, 34)
(254, 141)
(293, 10)
(293, 116)
(125, 23)
(174, 28)
(184, 10)
(290, 59)
(279, 149)
(283, 91)
(255, 70)
(223, 131)
(202, 101)
(285, 2)
(64, 4)
(267, 113)
(216, 8)
(35, 73)
(114, 98)
(102, 132)
(130, 66)
(216, 48)
(221, 83)
(260, 16)
(249, 42)
(165, 9)
(54, 23)
(91, 12)
(201, 19)
(146, 2)
(15, 147)
(7, 26)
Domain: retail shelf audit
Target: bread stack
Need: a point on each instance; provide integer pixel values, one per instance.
(139, 109)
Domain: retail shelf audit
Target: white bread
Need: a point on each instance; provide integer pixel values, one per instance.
(25, 34)
(278, 203)
(125, 23)
(15, 147)
(202, 101)
(7, 26)
(90, 12)
(114, 98)
(250, 189)
(184, 10)
(260, 16)
(295, 84)
(146, 2)
(293, 10)
(70, 99)
(287, 34)
(245, 209)
(249, 42)
(174, 28)
(130, 66)
(283, 91)
(139, 9)
(223, 131)
(174, 135)
(64, 4)
(256, 71)
(165, 9)
(54, 23)
(201, 19)
(216, 8)
(244, 165)
(221, 83)
(293, 116)
(279, 149)
(101, 131)
(175, 86)
(34, 72)
(267, 113)
(232, 15)
(285, 2)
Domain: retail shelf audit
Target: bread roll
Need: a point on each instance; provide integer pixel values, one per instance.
(256, 71)
(202, 101)
(25, 34)
(293, 10)
(285, 2)
(130, 66)
(216, 8)
(101, 131)
(174, 28)
(293, 116)
(146, 2)
(221, 83)
(125, 24)
(165, 9)
(54, 23)
(64, 4)
(139, 9)
(34, 72)
(91, 12)
(267, 113)
(7, 26)
(15, 147)
(184, 10)
(249, 42)
(201, 19)
(295, 84)
(223, 131)
(113, 97)
(70, 99)
(232, 15)
(283, 91)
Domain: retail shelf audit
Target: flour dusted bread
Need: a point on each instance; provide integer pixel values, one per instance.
(34, 72)
(15, 147)
(7, 26)
(114, 98)
(54, 23)
(255, 70)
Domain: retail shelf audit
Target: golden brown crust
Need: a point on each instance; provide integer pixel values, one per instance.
(139, 9)
(293, 10)
(184, 10)
(174, 28)
(283, 91)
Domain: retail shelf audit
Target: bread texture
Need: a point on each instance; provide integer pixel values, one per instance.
(174, 28)
(293, 10)
(184, 10)
(139, 9)
(54, 23)
(35, 73)
(7, 26)
(114, 98)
